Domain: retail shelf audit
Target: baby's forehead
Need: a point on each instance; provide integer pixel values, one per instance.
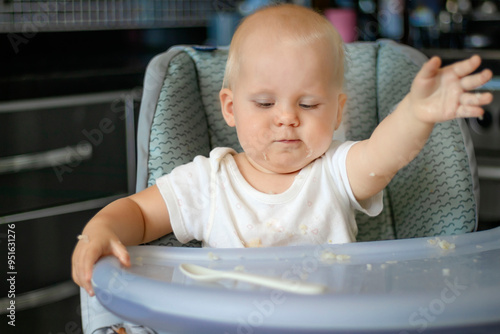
(263, 44)
(294, 26)
(285, 26)
(279, 27)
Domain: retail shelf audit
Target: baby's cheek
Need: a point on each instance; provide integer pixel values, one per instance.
(321, 142)
(258, 137)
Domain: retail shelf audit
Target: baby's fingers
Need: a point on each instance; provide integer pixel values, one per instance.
(119, 250)
(476, 80)
(467, 66)
(476, 99)
(86, 280)
(88, 252)
(466, 111)
(430, 68)
(83, 264)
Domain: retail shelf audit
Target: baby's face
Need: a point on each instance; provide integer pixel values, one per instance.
(285, 106)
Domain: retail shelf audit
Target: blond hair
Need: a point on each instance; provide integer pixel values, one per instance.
(291, 24)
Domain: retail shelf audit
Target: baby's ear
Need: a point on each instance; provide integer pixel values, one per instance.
(340, 109)
(226, 102)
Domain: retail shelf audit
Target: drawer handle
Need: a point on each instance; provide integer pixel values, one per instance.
(68, 155)
(489, 172)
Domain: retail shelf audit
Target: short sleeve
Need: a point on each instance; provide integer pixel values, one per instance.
(337, 155)
(186, 192)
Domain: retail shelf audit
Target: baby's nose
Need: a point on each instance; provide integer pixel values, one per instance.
(287, 116)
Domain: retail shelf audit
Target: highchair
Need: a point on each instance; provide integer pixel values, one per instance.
(432, 204)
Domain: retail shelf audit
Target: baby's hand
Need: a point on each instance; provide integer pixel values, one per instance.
(441, 94)
(88, 250)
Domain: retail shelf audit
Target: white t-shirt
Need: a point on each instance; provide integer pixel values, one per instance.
(209, 200)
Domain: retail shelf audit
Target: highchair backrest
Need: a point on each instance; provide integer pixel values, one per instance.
(436, 194)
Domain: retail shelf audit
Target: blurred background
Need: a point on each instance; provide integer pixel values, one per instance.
(71, 77)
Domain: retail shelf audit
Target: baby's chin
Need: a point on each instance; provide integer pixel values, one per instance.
(286, 167)
(282, 161)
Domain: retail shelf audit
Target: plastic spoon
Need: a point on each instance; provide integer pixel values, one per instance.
(209, 275)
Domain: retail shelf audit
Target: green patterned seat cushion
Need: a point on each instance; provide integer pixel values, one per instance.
(434, 195)
(179, 130)
(360, 119)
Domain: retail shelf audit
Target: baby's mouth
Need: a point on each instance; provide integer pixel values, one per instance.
(288, 141)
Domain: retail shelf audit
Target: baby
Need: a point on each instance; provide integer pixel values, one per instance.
(291, 184)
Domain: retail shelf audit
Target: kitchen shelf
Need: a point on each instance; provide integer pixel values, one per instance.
(29, 17)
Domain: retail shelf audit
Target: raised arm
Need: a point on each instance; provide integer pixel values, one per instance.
(437, 95)
(133, 220)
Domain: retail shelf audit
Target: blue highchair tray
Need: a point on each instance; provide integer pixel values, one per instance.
(432, 285)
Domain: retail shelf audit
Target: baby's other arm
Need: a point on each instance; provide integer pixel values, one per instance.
(132, 220)
(436, 95)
